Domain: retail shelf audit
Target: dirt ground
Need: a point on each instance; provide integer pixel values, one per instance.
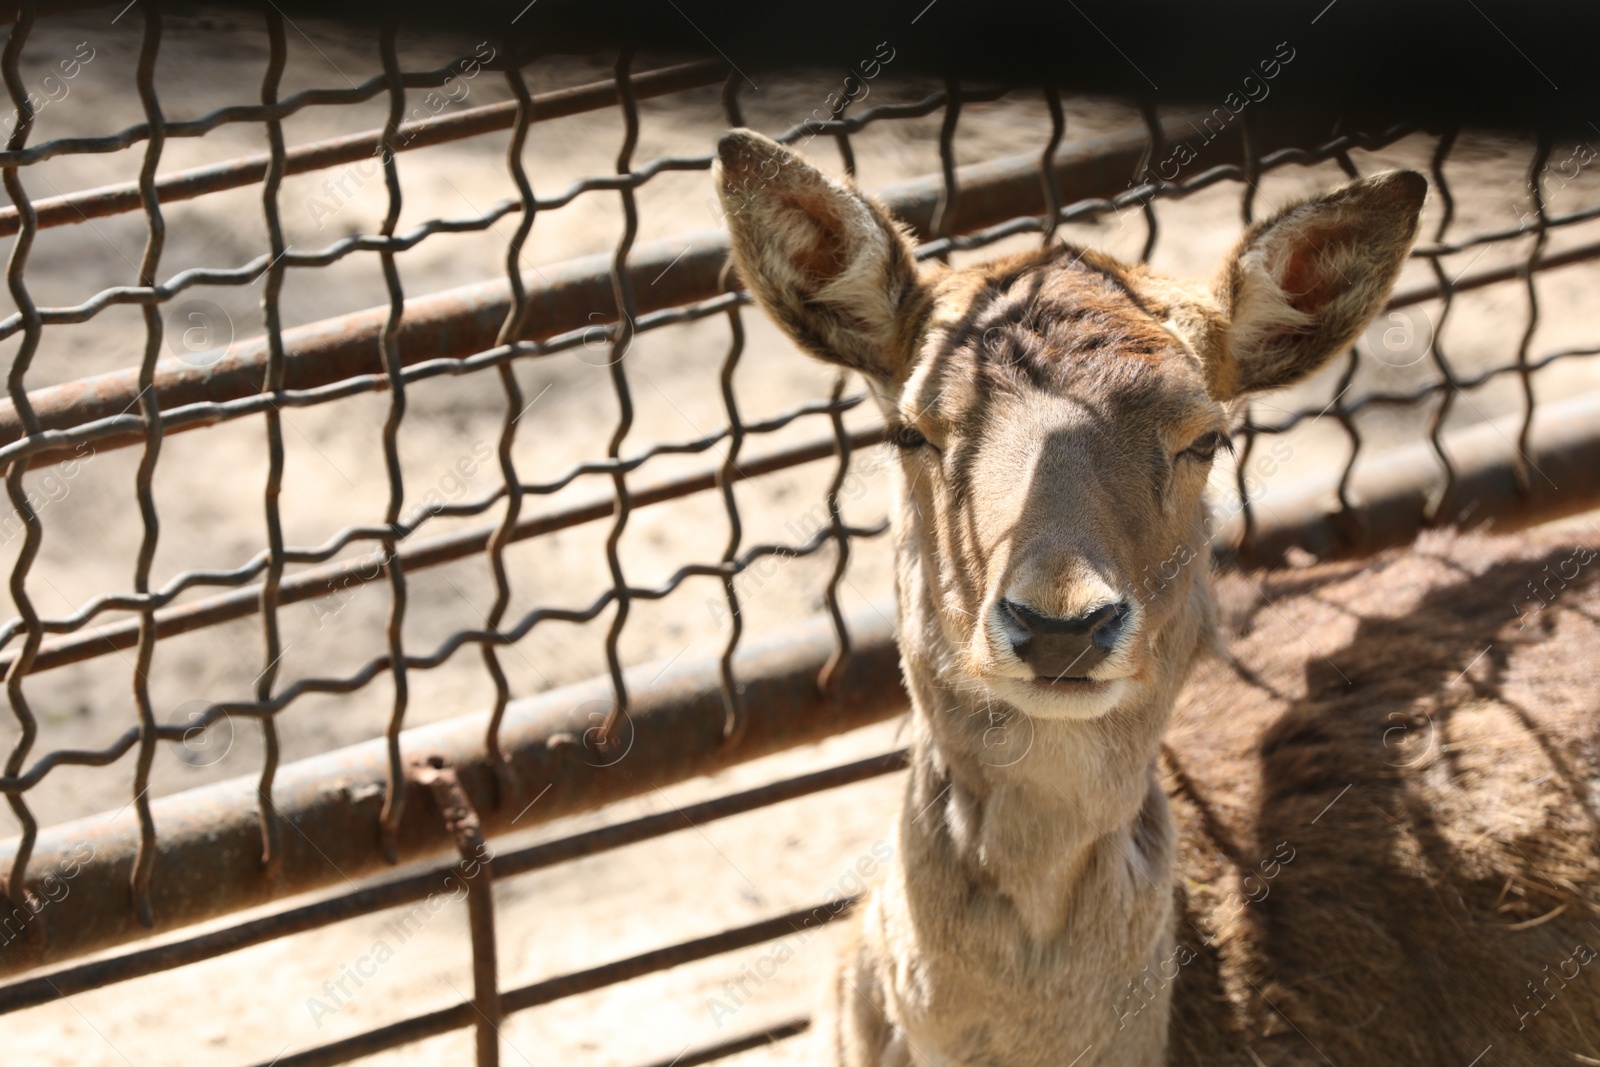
(209, 484)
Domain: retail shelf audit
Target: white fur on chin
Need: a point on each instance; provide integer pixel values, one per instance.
(1038, 702)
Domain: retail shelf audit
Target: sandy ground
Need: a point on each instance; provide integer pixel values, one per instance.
(208, 489)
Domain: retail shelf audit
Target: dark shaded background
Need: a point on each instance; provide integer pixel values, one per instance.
(1500, 62)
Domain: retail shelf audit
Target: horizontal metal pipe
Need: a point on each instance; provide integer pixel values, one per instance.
(734, 1046)
(730, 940)
(1416, 294)
(405, 1032)
(318, 155)
(572, 295)
(453, 323)
(1393, 490)
(207, 860)
(332, 578)
(97, 974)
(459, 1016)
(577, 294)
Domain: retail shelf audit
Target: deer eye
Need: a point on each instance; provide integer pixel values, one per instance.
(906, 438)
(1205, 447)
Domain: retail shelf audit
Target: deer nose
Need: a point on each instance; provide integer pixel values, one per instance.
(1065, 647)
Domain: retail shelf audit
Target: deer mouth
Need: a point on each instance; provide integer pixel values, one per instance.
(1060, 696)
(1078, 683)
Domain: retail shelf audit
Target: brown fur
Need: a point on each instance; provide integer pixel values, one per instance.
(1056, 414)
(1463, 860)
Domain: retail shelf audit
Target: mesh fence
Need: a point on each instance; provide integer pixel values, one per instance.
(599, 309)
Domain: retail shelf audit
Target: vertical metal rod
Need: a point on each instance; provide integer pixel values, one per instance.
(509, 330)
(847, 155)
(732, 701)
(622, 293)
(944, 214)
(1250, 138)
(476, 876)
(394, 799)
(730, 98)
(1536, 169)
(1436, 421)
(272, 384)
(841, 540)
(1047, 167)
(149, 406)
(1143, 174)
(33, 532)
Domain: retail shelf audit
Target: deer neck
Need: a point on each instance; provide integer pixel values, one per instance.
(1023, 805)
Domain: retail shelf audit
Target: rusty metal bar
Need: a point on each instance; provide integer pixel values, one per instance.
(458, 1016)
(730, 940)
(476, 873)
(448, 325)
(333, 578)
(734, 1046)
(676, 721)
(355, 147)
(548, 991)
(451, 325)
(31, 992)
(1391, 492)
(459, 322)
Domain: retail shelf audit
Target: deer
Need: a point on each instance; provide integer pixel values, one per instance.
(1056, 415)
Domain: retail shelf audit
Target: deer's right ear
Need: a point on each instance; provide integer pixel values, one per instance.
(828, 264)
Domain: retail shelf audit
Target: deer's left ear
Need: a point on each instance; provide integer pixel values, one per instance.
(827, 263)
(1302, 285)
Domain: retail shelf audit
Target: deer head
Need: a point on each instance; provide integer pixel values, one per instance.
(1056, 413)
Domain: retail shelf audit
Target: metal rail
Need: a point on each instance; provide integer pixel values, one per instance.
(320, 155)
(465, 322)
(329, 804)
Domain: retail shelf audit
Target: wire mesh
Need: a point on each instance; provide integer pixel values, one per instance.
(263, 584)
